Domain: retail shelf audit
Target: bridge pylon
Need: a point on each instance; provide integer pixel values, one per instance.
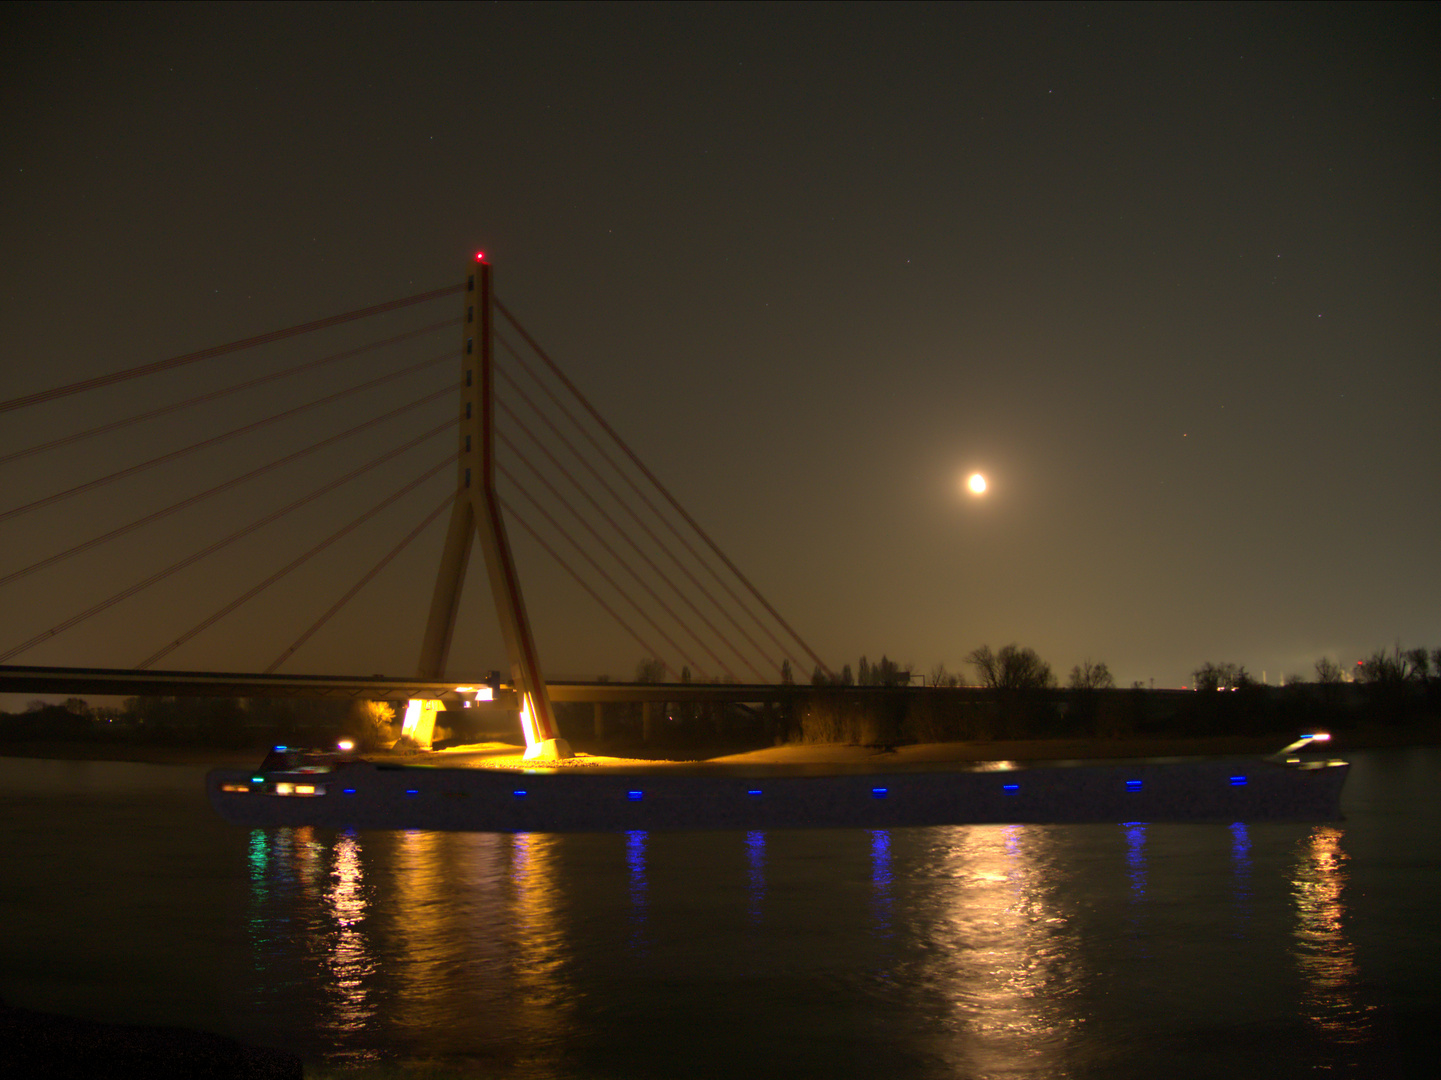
(476, 513)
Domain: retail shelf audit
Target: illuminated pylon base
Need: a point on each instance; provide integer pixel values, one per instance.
(537, 747)
(550, 750)
(419, 722)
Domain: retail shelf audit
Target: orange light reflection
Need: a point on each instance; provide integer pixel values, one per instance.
(1324, 953)
(1010, 962)
(349, 959)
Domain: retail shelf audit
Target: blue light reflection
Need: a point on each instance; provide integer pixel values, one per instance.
(881, 880)
(756, 860)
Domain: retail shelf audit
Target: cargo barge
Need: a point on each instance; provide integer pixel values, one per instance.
(343, 792)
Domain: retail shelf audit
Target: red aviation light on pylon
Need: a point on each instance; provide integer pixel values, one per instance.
(480, 256)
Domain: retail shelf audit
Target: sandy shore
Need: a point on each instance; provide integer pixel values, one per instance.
(920, 755)
(507, 756)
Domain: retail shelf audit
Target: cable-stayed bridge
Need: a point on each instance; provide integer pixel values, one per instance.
(483, 432)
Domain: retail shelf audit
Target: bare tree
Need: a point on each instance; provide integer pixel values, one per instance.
(1226, 676)
(1328, 672)
(650, 670)
(1089, 676)
(1012, 668)
(939, 676)
(986, 665)
(1391, 668)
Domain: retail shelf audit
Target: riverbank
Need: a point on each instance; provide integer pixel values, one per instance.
(135, 753)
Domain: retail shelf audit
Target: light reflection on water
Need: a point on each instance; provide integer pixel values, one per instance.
(756, 875)
(1136, 859)
(635, 866)
(881, 901)
(539, 999)
(348, 956)
(1005, 959)
(1323, 950)
(419, 905)
(416, 940)
(1241, 874)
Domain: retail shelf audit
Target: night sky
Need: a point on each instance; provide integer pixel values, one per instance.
(1167, 275)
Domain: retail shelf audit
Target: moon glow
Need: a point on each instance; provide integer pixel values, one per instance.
(977, 484)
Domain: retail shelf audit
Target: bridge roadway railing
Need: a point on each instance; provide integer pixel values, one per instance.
(125, 682)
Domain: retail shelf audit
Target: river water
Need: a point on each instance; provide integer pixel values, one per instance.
(1127, 950)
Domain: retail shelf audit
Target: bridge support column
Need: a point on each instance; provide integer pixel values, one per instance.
(476, 515)
(599, 711)
(419, 722)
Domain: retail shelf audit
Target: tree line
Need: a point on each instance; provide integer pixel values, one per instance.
(236, 723)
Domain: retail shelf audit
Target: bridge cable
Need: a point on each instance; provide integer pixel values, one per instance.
(600, 450)
(126, 593)
(115, 425)
(634, 546)
(595, 565)
(219, 488)
(221, 350)
(565, 381)
(296, 563)
(556, 432)
(644, 498)
(650, 650)
(613, 554)
(216, 440)
(364, 580)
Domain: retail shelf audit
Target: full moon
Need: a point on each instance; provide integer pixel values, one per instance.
(977, 484)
